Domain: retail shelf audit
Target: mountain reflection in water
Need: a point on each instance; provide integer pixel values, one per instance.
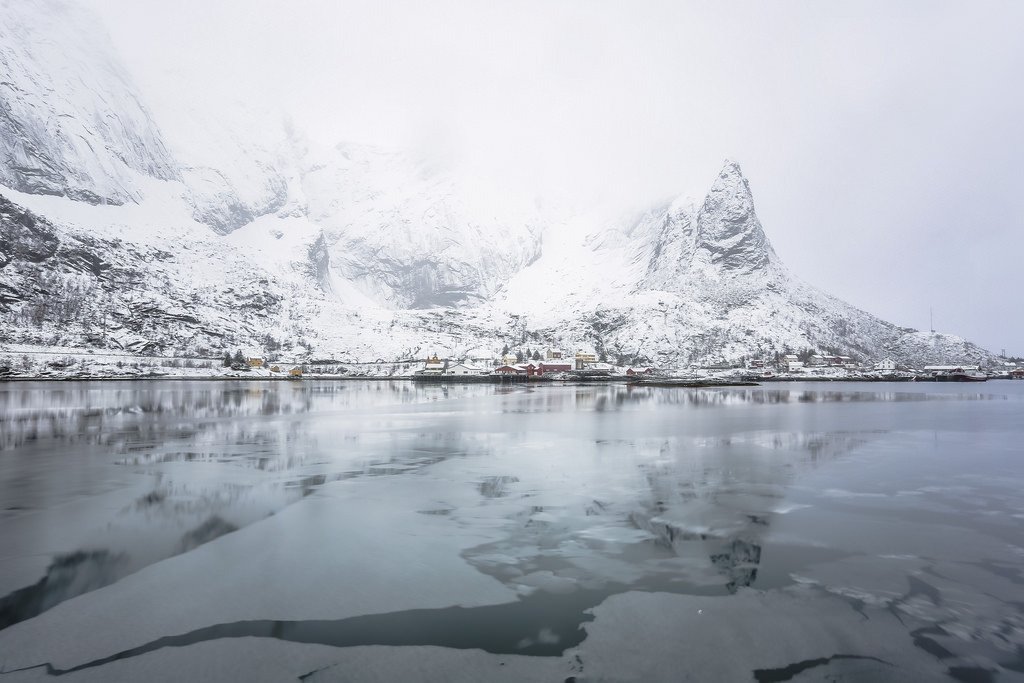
(596, 489)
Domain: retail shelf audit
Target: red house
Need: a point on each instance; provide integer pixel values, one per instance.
(507, 370)
(631, 372)
(553, 367)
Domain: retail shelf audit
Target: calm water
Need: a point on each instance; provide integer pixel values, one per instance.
(809, 532)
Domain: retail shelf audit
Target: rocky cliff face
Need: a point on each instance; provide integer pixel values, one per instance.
(406, 235)
(221, 204)
(233, 171)
(720, 240)
(70, 121)
(728, 234)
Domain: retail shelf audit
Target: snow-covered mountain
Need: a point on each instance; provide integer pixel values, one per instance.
(171, 232)
(692, 282)
(70, 121)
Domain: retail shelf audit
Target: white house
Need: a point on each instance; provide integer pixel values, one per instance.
(463, 369)
(887, 364)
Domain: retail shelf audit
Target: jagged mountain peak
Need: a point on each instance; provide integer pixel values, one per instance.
(719, 238)
(730, 192)
(731, 172)
(729, 235)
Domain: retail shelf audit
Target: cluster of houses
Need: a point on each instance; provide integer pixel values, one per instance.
(792, 363)
(824, 364)
(260, 364)
(555, 362)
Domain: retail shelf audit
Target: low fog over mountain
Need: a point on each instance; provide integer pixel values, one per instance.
(118, 234)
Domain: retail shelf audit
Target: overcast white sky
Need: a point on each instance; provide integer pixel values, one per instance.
(883, 141)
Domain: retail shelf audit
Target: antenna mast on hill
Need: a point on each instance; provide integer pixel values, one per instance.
(931, 320)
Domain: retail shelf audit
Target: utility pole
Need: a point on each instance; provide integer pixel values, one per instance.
(931, 320)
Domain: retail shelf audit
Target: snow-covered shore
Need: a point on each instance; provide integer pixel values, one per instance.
(24, 362)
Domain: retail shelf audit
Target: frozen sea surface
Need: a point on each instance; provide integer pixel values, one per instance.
(379, 531)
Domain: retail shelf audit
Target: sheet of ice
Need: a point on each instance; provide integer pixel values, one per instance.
(260, 660)
(661, 637)
(420, 498)
(359, 550)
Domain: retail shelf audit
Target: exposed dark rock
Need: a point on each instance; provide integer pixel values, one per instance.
(24, 236)
(85, 261)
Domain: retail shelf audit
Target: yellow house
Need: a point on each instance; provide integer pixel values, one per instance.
(433, 366)
(274, 368)
(295, 372)
(255, 362)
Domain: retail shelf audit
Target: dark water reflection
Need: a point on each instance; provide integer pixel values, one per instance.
(597, 489)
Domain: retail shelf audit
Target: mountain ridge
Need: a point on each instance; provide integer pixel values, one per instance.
(220, 242)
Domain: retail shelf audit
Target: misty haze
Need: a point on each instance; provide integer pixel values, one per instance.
(566, 342)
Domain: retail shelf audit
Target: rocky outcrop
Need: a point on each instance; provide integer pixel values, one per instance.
(23, 235)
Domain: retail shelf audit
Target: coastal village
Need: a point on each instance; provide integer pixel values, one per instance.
(556, 365)
(485, 365)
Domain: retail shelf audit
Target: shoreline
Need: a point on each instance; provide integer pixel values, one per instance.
(199, 378)
(668, 383)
